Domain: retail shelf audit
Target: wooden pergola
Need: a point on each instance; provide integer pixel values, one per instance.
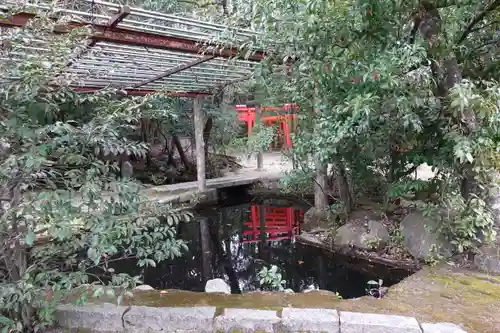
(143, 52)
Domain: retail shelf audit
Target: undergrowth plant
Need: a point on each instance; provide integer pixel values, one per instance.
(271, 278)
(65, 218)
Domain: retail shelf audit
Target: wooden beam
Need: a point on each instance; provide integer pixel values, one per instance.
(125, 36)
(118, 17)
(200, 144)
(113, 22)
(174, 70)
(142, 92)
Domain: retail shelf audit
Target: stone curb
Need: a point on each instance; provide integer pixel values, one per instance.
(108, 317)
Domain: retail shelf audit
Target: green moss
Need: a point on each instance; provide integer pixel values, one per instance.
(438, 294)
(261, 301)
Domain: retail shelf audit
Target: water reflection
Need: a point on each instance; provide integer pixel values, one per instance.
(272, 223)
(234, 243)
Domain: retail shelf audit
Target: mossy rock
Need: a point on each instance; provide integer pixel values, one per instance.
(442, 294)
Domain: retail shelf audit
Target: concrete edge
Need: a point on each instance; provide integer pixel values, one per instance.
(108, 317)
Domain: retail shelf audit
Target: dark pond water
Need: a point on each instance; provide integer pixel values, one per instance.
(235, 242)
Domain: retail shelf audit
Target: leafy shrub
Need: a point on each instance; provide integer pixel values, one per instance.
(64, 216)
(270, 278)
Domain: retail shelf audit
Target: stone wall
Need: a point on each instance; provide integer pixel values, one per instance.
(111, 318)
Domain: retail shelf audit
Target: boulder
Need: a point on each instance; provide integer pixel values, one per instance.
(494, 198)
(421, 237)
(488, 259)
(217, 286)
(315, 219)
(366, 235)
(127, 170)
(144, 287)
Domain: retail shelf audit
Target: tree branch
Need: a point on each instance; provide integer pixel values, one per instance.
(486, 25)
(458, 3)
(447, 3)
(479, 16)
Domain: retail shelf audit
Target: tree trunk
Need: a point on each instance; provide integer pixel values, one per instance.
(16, 258)
(447, 73)
(320, 186)
(343, 186)
(182, 155)
(206, 134)
(321, 182)
(145, 137)
(493, 200)
(169, 147)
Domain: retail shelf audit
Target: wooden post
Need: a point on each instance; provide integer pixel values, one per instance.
(260, 160)
(320, 185)
(200, 144)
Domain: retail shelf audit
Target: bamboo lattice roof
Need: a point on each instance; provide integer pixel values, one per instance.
(143, 51)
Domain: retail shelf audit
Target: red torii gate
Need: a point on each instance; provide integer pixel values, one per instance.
(279, 223)
(286, 121)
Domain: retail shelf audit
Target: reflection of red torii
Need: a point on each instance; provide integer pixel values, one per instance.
(248, 115)
(280, 223)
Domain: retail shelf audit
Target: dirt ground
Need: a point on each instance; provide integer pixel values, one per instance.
(276, 162)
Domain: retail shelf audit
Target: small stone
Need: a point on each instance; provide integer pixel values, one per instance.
(441, 328)
(144, 287)
(310, 320)
(353, 322)
(217, 286)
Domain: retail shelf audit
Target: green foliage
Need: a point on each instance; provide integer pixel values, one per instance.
(298, 181)
(261, 138)
(406, 187)
(65, 219)
(270, 278)
(383, 89)
(465, 223)
(259, 141)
